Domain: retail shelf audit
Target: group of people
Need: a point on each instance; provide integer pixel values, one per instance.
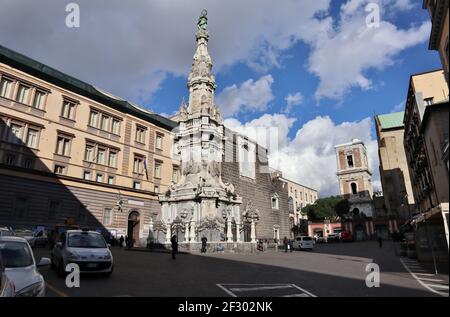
(288, 244)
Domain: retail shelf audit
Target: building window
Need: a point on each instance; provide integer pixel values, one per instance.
(93, 117)
(63, 145)
(429, 101)
(350, 161)
(53, 209)
(274, 200)
(60, 169)
(21, 207)
(10, 159)
(5, 87)
(136, 185)
(115, 126)
(87, 175)
(104, 123)
(111, 180)
(101, 153)
(28, 162)
(107, 216)
(138, 164)
(175, 174)
(291, 205)
(158, 167)
(68, 110)
(112, 159)
(99, 178)
(32, 138)
(301, 195)
(89, 153)
(22, 94)
(158, 141)
(16, 133)
(157, 189)
(39, 99)
(140, 134)
(354, 188)
(295, 193)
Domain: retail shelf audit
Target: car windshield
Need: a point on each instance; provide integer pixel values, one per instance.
(15, 254)
(86, 240)
(307, 238)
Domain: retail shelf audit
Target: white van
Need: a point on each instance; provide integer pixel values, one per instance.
(304, 243)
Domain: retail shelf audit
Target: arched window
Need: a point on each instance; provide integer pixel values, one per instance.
(354, 188)
(291, 205)
(274, 201)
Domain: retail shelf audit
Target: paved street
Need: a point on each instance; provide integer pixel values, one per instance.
(330, 270)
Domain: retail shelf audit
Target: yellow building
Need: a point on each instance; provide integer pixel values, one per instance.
(438, 10)
(299, 196)
(70, 150)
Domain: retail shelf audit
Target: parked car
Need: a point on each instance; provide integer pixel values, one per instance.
(87, 249)
(21, 268)
(6, 286)
(304, 243)
(6, 232)
(26, 234)
(333, 237)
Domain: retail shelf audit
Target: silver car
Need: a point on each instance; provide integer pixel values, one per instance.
(21, 268)
(87, 249)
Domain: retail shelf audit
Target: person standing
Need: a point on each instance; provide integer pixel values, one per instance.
(174, 242)
(204, 244)
(285, 242)
(380, 242)
(121, 239)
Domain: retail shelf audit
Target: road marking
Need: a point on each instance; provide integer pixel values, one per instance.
(55, 290)
(430, 279)
(422, 283)
(262, 287)
(226, 291)
(259, 288)
(438, 286)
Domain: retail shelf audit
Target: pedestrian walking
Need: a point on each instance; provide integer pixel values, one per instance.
(285, 242)
(174, 242)
(380, 242)
(204, 244)
(121, 240)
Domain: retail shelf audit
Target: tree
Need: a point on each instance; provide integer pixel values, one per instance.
(331, 208)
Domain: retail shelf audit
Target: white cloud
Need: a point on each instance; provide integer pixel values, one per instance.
(129, 49)
(399, 107)
(292, 100)
(342, 56)
(309, 158)
(249, 96)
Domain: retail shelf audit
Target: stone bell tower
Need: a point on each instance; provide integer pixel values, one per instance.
(200, 204)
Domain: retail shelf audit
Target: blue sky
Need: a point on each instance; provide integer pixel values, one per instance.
(320, 54)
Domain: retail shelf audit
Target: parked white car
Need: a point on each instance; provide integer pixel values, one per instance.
(87, 249)
(21, 268)
(304, 243)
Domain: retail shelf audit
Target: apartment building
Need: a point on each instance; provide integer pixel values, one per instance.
(69, 150)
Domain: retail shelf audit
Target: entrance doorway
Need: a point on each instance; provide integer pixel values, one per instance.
(133, 226)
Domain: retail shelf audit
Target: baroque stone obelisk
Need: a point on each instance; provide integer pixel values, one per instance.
(200, 204)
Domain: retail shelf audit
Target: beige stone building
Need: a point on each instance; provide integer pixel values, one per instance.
(426, 135)
(70, 150)
(438, 10)
(396, 182)
(299, 196)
